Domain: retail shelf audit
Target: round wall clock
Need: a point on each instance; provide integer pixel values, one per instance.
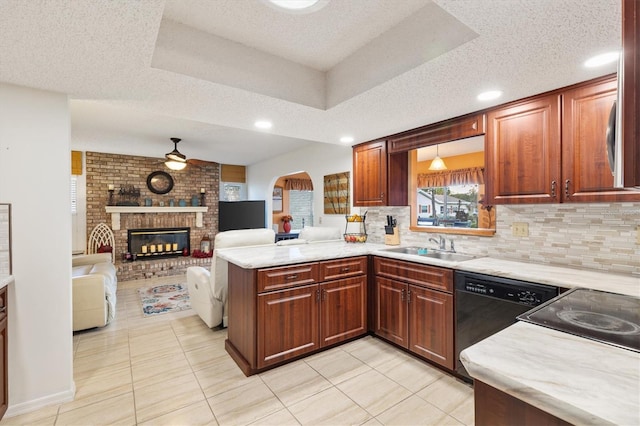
(159, 182)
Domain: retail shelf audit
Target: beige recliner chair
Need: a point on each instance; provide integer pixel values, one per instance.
(208, 290)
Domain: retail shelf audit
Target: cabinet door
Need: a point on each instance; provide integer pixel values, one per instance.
(431, 325)
(370, 174)
(343, 312)
(586, 175)
(287, 324)
(523, 152)
(391, 311)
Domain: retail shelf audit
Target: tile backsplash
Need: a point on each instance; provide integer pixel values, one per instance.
(598, 236)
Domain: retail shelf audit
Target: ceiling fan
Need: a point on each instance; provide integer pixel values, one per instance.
(175, 160)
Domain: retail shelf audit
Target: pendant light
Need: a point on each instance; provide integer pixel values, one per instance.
(175, 159)
(437, 163)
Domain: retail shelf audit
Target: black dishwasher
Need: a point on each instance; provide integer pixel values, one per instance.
(486, 304)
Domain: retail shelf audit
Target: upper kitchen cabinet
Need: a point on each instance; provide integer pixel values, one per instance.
(552, 148)
(379, 179)
(586, 175)
(522, 149)
(631, 92)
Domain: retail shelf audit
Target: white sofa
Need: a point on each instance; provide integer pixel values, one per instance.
(94, 285)
(208, 290)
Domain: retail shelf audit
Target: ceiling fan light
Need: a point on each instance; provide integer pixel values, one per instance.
(175, 155)
(175, 165)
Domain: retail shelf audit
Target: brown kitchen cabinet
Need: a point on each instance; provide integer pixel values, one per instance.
(281, 313)
(370, 174)
(414, 308)
(379, 178)
(586, 175)
(4, 378)
(522, 151)
(551, 148)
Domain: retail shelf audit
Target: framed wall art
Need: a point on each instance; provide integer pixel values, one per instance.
(337, 198)
(277, 199)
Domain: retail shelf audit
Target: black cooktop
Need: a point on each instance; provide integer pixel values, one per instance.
(598, 315)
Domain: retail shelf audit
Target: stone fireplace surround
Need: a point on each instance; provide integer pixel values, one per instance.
(103, 169)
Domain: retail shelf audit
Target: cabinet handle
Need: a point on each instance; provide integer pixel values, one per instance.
(566, 188)
(382, 195)
(402, 295)
(408, 296)
(317, 295)
(324, 295)
(553, 189)
(345, 269)
(291, 277)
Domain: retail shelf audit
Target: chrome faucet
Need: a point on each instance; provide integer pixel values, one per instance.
(442, 243)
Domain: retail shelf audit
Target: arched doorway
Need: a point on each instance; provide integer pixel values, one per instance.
(293, 197)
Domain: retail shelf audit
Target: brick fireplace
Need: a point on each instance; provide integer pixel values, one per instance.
(104, 169)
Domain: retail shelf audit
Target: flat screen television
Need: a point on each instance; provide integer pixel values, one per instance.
(241, 215)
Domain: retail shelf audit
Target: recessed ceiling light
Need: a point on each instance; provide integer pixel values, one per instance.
(603, 59)
(489, 95)
(346, 139)
(298, 6)
(263, 124)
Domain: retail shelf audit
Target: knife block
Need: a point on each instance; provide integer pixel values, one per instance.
(392, 239)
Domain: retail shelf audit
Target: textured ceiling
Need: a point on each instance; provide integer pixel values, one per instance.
(131, 89)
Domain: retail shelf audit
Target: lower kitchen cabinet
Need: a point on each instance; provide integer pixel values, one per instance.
(431, 325)
(495, 408)
(418, 317)
(278, 314)
(301, 320)
(343, 310)
(287, 324)
(391, 311)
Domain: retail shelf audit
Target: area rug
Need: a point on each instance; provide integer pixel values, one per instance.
(163, 299)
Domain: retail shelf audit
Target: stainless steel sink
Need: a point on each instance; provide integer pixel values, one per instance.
(452, 257)
(432, 253)
(407, 250)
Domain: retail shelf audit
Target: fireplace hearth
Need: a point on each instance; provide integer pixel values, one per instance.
(154, 243)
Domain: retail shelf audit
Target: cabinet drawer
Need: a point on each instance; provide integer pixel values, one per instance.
(287, 276)
(414, 273)
(343, 268)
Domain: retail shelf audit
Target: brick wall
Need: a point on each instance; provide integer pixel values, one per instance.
(104, 169)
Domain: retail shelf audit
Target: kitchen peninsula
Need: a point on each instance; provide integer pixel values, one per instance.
(572, 378)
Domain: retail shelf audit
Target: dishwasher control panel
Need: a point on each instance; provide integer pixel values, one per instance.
(522, 293)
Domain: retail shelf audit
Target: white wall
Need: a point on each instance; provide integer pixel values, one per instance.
(317, 160)
(34, 178)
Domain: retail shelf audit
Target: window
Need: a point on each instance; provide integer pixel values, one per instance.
(450, 201)
(73, 189)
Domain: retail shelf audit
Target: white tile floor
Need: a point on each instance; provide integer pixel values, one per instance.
(172, 370)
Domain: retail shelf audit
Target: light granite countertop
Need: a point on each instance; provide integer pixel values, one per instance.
(5, 280)
(274, 255)
(554, 275)
(573, 378)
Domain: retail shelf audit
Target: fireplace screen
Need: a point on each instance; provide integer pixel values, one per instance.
(158, 242)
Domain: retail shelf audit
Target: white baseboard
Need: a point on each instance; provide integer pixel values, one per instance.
(35, 404)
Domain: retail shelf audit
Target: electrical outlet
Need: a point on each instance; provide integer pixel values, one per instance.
(638, 234)
(319, 220)
(520, 229)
